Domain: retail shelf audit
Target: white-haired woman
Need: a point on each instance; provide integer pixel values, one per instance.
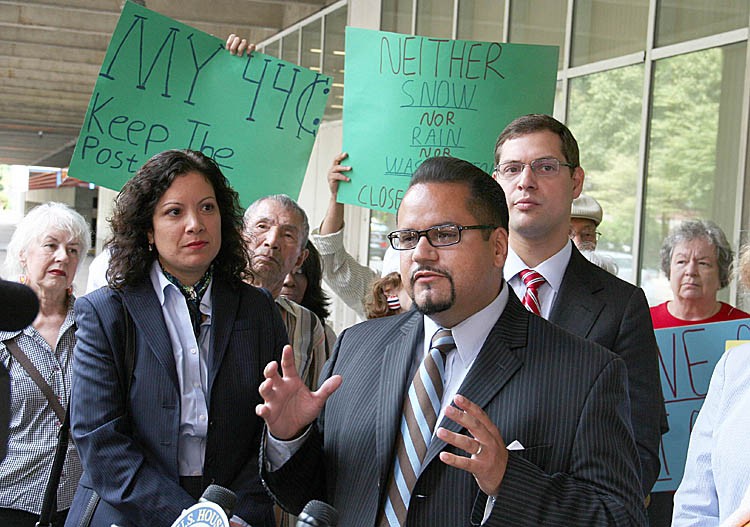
(44, 253)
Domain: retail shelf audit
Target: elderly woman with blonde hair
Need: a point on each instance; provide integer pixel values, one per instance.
(45, 252)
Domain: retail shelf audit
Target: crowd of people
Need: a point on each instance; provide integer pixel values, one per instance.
(505, 375)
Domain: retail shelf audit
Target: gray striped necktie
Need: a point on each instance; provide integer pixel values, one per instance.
(421, 408)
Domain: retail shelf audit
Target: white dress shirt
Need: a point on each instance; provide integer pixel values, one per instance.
(552, 269)
(469, 337)
(716, 469)
(191, 361)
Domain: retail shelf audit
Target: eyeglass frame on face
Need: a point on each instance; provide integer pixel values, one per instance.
(585, 236)
(508, 177)
(393, 237)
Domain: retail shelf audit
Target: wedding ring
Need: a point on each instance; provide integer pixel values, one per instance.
(479, 451)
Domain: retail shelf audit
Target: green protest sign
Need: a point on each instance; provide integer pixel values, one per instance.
(408, 98)
(166, 85)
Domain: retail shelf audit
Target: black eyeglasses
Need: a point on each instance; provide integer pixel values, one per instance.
(438, 236)
(544, 167)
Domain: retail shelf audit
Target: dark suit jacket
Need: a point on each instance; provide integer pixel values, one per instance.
(129, 449)
(600, 307)
(564, 399)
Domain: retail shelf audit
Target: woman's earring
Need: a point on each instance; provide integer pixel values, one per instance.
(150, 247)
(394, 304)
(23, 279)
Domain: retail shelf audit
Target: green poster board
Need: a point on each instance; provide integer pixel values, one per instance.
(408, 98)
(166, 85)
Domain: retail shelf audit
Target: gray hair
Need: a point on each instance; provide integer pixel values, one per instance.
(39, 221)
(287, 203)
(690, 230)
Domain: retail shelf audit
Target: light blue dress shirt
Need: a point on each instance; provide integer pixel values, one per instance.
(191, 361)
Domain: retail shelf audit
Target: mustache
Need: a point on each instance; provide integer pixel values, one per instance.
(430, 269)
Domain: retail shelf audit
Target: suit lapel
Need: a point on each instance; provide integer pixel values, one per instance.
(143, 306)
(224, 305)
(393, 382)
(496, 363)
(576, 306)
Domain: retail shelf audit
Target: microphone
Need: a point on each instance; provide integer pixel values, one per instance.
(318, 514)
(19, 306)
(214, 508)
(223, 497)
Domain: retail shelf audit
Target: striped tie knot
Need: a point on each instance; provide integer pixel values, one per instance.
(443, 341)
(533, 280)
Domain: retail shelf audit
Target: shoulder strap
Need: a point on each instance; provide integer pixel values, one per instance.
(27, 365)
(49, 501)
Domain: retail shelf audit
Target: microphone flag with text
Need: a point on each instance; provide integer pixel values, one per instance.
(214, 508)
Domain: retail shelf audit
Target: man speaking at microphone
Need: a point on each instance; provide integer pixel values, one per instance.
(528, 432)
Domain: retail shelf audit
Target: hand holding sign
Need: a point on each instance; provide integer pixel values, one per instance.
(237, 46)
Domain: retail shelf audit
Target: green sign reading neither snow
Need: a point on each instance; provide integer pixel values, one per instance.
(408, 98)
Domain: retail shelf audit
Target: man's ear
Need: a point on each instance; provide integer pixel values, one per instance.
(501, 246)
(301, 258)
(578, 176)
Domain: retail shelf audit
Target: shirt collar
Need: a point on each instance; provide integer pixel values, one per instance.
(161, 284)
(470, 334)
(552, 269)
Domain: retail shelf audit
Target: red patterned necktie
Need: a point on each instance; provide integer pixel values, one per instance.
(533, 281)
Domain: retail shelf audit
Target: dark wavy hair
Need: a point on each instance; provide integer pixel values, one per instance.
(132, 220)
(314, 299)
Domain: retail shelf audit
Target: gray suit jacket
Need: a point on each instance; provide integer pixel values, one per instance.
(564, 399)
(129, 448)
(600, 307)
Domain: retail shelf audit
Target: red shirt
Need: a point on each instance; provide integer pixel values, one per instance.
(663, 319)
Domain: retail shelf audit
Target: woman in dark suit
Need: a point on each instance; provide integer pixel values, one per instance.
(151, 439)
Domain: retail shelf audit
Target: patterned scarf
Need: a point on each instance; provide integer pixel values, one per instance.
(193, 295)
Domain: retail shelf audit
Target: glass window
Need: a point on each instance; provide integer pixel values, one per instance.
(693, 148)
(381, 223)
(481, 20)
(333, 61)
(608, 136)
(538, 22)
(558, 111)
(681, 20)
(435, 18)
(312, 53)
(290, 47)
(273, 49)
(395, 15)
(603, 29)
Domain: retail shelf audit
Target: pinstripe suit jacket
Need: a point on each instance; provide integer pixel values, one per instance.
(600, 307)
(561, 397)
(131, 460)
